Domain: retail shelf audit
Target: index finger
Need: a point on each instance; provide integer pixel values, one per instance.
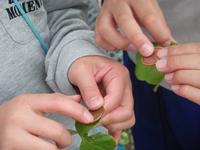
(151, 17)
(59, 103)
(129, 27)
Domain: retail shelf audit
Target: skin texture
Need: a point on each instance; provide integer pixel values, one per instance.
(182, 67)
(87, 72)
(23, 126)
(120, 22)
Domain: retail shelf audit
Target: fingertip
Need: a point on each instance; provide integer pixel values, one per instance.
(146, 49)
(161, 65)
(95, 102)
(88, 118)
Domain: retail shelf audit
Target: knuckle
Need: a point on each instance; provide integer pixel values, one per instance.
(123, 18)
(171, 62)
(183, 90)
(149, 19)
(21, 99)
(109, 120)
(133, 121)
(59, 131)
(129, 114)
(102, 28)
(57, 98)
(177, 78)
(120, 43)
(138, 38)
(90, 88)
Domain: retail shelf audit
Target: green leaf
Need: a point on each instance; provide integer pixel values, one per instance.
(98, 141)
(83, 129)
(124, 139)
(147, 73)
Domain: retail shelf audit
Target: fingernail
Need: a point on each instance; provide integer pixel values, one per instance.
(88, 117)
(167, 43)
(95, 102)
(175, 88)
(169, 77)
(131, 47)
(174, 41)
(162, 53)
(146, 49)
(161, 64)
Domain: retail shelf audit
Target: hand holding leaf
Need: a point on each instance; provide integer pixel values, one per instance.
(99, 141)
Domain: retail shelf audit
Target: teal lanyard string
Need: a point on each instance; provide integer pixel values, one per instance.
(31, 26)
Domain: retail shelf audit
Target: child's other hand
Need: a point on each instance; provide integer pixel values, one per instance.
(87, 72)
(181, 64)
(128, 17)
(23, 127)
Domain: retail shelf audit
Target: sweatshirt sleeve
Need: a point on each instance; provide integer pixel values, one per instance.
(70, 39)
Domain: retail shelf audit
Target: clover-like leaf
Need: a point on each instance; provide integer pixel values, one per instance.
(148, 73)
(83, 129)
(99, 141)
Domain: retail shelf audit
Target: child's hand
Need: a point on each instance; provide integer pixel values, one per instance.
(182, 67)
(87, 72)
(128, 17)
(22, 126)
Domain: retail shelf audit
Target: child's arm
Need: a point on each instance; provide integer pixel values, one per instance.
(71, 39)
(181, 64)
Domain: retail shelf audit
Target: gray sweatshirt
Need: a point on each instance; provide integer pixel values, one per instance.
(63, 24)
(183, 17)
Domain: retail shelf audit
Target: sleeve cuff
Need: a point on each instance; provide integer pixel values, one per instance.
(68, 54)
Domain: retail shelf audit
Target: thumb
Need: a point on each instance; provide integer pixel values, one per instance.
(89, 89)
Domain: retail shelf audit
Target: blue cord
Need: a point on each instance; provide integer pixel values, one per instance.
(31, 26)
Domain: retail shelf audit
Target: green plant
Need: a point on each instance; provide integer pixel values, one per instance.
(98, 141)
(148, 73)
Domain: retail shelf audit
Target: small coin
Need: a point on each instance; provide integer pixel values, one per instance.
(151, 60)
(97, 114)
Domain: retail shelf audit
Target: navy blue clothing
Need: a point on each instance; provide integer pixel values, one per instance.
(164, 121)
